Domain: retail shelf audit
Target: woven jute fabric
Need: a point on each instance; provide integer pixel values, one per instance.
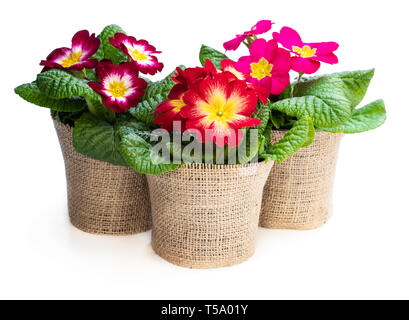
(103, 198)
(206, 216)
(298, 192)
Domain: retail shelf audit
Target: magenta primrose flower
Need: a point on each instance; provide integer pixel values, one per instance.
(308, 55)
(77, 57)
(140, 51)
(119, 85)
(268, 66)
(260, 27)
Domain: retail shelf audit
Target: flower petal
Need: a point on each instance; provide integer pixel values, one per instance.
(307, 66)
(120, 86)
(261, 27)
(234, 43)
(324, 48)
(226, 134)
(281, 61)
(270, 50)
(279, 83)
(243, 65)
(328, 58)
(241, 121)
(257, 49)
(87, 44)
(288, 38)
(243, 100)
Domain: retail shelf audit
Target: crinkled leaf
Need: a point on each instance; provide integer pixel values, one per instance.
(310, 135)
(99, 139)
(212, 54)
(363, 119)
(356, 84)
(96, 139)
(154, 94)
(277, 118)
(31, 93)
(322, 99)
(60, 84)
(106, 50)
(292, 141)
(139, 154)
(266, 151)
(248, 148)
(263, 113)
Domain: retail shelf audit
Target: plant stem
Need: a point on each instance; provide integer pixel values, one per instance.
(100, 111)
(250, 39)
(298, 82)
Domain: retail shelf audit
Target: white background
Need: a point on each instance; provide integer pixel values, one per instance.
(361, 253)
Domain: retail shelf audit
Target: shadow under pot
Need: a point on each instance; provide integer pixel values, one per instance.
(206, 216)
(298, 192)
(103, 198)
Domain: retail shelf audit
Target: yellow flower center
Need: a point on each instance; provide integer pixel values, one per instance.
(117, 89)
(178, 104)
(71, 59)
(138, 56)
(305, 52)
(261, 69)
(220, 110)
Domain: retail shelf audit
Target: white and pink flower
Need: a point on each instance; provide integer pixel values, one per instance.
(120, 85)
(77, 57)
(139, 51)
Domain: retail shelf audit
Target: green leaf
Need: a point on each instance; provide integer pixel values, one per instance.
(139, 154)
(363, 119)
(96, 138)
(31, 93)
(98, 109)
(248, 148)
(60, 84)
(292, 141)
(90, 74)
(277, 118)
(263, 113)
(154, 94)
(106, 50)
(99, 139)
(212, 54)
(322, 99)
(66, 117)
(266, 151)
(356, 84)
(310, 135)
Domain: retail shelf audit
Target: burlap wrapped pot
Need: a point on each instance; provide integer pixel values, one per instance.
(298, 192)
(206, 216)
(103, 198)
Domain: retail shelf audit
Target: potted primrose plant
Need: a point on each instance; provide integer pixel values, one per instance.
(94, 89)
(206, 166)
(306, 119)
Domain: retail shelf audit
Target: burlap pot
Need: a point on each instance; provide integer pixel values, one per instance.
(103, 198)
(298, 192)
(206, 216)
